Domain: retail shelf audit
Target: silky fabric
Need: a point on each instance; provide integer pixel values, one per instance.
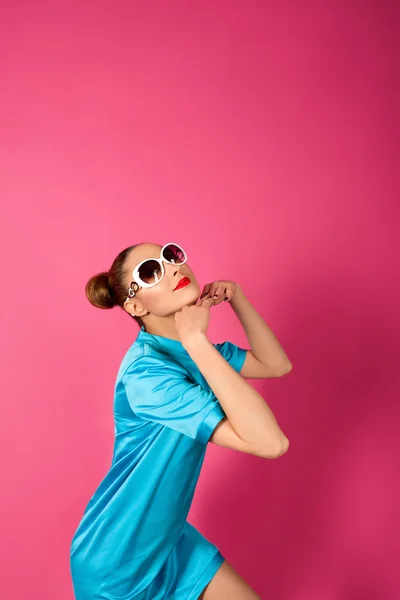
(133, 541)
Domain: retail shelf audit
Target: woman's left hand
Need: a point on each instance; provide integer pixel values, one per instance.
(220, 291)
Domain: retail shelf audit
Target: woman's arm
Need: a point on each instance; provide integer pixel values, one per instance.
(247, 412)
(265, 348)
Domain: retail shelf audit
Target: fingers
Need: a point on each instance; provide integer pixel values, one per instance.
(207, 302)
(217, 290)
(218, 297)
(206, 290)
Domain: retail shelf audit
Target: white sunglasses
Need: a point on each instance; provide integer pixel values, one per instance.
(150, 271)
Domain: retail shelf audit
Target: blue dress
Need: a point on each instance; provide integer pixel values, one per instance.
(133, 541)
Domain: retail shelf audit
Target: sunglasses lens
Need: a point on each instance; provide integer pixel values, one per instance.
(150, 271)
(174, 254)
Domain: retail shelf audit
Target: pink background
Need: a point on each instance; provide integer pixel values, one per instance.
(262, 136)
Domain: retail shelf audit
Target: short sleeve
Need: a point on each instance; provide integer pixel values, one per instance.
(235, 355)
(160, 391)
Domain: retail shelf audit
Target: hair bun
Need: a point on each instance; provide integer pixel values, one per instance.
(99, 290)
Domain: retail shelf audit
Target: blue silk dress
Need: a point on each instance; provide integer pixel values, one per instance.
(133, 541)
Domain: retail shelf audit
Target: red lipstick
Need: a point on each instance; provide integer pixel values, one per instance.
(182, 282)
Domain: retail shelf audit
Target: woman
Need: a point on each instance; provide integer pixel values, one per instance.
(175, 391)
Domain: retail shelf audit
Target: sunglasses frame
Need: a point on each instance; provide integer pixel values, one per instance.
(160, 260)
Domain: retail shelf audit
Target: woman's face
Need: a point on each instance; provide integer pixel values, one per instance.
(161, 299)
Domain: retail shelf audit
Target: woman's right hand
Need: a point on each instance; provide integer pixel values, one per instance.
(194, 319)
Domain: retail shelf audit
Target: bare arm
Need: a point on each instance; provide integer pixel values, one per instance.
(247, 412)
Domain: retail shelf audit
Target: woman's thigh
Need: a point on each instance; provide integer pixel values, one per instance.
(227, 583)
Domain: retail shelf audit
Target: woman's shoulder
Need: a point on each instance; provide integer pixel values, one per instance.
(144, 356)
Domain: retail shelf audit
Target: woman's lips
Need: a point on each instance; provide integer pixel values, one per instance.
(184, 281)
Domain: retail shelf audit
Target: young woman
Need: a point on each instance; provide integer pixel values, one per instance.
(175, 391)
